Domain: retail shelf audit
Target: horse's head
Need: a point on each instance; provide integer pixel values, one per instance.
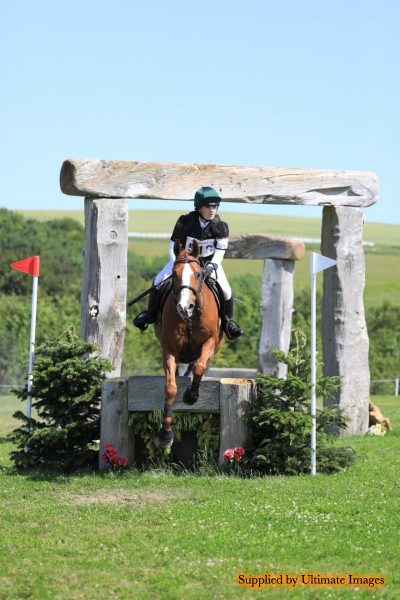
(186, 279)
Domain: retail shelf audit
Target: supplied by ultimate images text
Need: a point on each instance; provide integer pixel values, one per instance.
(269, 580)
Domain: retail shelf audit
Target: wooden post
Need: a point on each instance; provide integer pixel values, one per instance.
(276, 311)
(344, 330)
(103, 296)
(276, 307)
(114, 419)
(235, 398)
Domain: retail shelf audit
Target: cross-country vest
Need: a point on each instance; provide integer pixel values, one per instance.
(213, 236)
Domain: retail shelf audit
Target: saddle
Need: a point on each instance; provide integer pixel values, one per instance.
(216, 289)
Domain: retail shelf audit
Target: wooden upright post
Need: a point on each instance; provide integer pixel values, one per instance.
(103, 295)
(276, 311)
(235, 398)
(344, 330)
(114, 420)
(276, 306)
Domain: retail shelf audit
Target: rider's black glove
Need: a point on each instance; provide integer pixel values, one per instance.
(209, 269)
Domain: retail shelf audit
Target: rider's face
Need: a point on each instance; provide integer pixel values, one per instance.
(208, 212)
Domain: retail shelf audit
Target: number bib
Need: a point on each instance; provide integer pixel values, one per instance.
(207, 247)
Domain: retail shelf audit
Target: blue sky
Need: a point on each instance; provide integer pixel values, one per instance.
(268, 83)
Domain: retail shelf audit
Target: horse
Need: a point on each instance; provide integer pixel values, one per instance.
(188, 329)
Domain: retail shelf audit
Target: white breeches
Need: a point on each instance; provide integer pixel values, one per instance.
(219, 276)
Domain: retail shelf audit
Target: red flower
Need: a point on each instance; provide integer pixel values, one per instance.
(228, 454)
(110, 455)
(238, 453)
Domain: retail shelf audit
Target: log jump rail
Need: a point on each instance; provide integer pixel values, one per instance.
(123, 395)
(107, 184)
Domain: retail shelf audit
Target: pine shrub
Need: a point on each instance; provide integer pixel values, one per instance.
(280, 421)
(67, 379)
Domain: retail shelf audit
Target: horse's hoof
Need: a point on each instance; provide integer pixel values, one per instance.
(190, 397)
(165, 438)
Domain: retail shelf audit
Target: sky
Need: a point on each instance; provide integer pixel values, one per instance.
(288, 83)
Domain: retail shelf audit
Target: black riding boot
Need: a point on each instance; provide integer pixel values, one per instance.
(145, 318)
(232, 329)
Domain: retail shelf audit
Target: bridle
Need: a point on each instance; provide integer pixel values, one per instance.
(189, 287)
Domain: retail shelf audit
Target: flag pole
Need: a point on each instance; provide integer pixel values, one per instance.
(35, 280)
(317, 263)
(313, 368)
(31, 266)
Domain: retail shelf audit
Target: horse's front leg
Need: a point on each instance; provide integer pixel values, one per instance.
(191, 394)
(165, 435)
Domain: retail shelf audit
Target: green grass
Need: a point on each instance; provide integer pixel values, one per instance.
(161, 536)
(163, 222)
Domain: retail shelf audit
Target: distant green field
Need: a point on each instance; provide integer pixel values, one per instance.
(163, 222)
(382, 260)
(382, 279)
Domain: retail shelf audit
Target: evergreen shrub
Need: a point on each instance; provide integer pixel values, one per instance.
(280, 421)
(67, 380)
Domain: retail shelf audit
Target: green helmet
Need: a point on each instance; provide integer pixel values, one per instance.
(206, 196)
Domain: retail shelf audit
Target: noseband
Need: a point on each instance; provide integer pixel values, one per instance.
(189, 287)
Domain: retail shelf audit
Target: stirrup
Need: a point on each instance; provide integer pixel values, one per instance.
(233, 330)
(141, 321)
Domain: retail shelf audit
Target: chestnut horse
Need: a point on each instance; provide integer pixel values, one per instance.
(189, 331)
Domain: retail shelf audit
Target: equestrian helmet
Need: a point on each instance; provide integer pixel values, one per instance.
(206, 196)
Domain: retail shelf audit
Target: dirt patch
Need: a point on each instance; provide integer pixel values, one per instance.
(136, 499)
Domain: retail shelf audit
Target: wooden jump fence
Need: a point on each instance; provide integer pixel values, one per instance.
(124, 395)
(106, 186)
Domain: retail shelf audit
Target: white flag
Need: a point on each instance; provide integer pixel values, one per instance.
(320, 263)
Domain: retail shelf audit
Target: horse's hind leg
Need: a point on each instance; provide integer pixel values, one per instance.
(191, 394)
(165, 435)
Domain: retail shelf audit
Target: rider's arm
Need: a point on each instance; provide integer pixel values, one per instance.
(171, 251)
(219, 253)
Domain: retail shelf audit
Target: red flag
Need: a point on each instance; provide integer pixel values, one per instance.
(28, 265)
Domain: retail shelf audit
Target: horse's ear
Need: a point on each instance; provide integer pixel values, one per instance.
(195, 248)
(177, 247)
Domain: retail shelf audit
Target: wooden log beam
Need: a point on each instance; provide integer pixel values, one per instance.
(147, 393)
(265, 246)
(253, 185)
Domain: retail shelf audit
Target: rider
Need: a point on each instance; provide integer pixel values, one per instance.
(204, 225)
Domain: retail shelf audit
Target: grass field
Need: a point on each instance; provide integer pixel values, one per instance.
(157, 535)
(163, 222)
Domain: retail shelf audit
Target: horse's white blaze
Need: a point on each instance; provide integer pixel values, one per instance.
(186, 275)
